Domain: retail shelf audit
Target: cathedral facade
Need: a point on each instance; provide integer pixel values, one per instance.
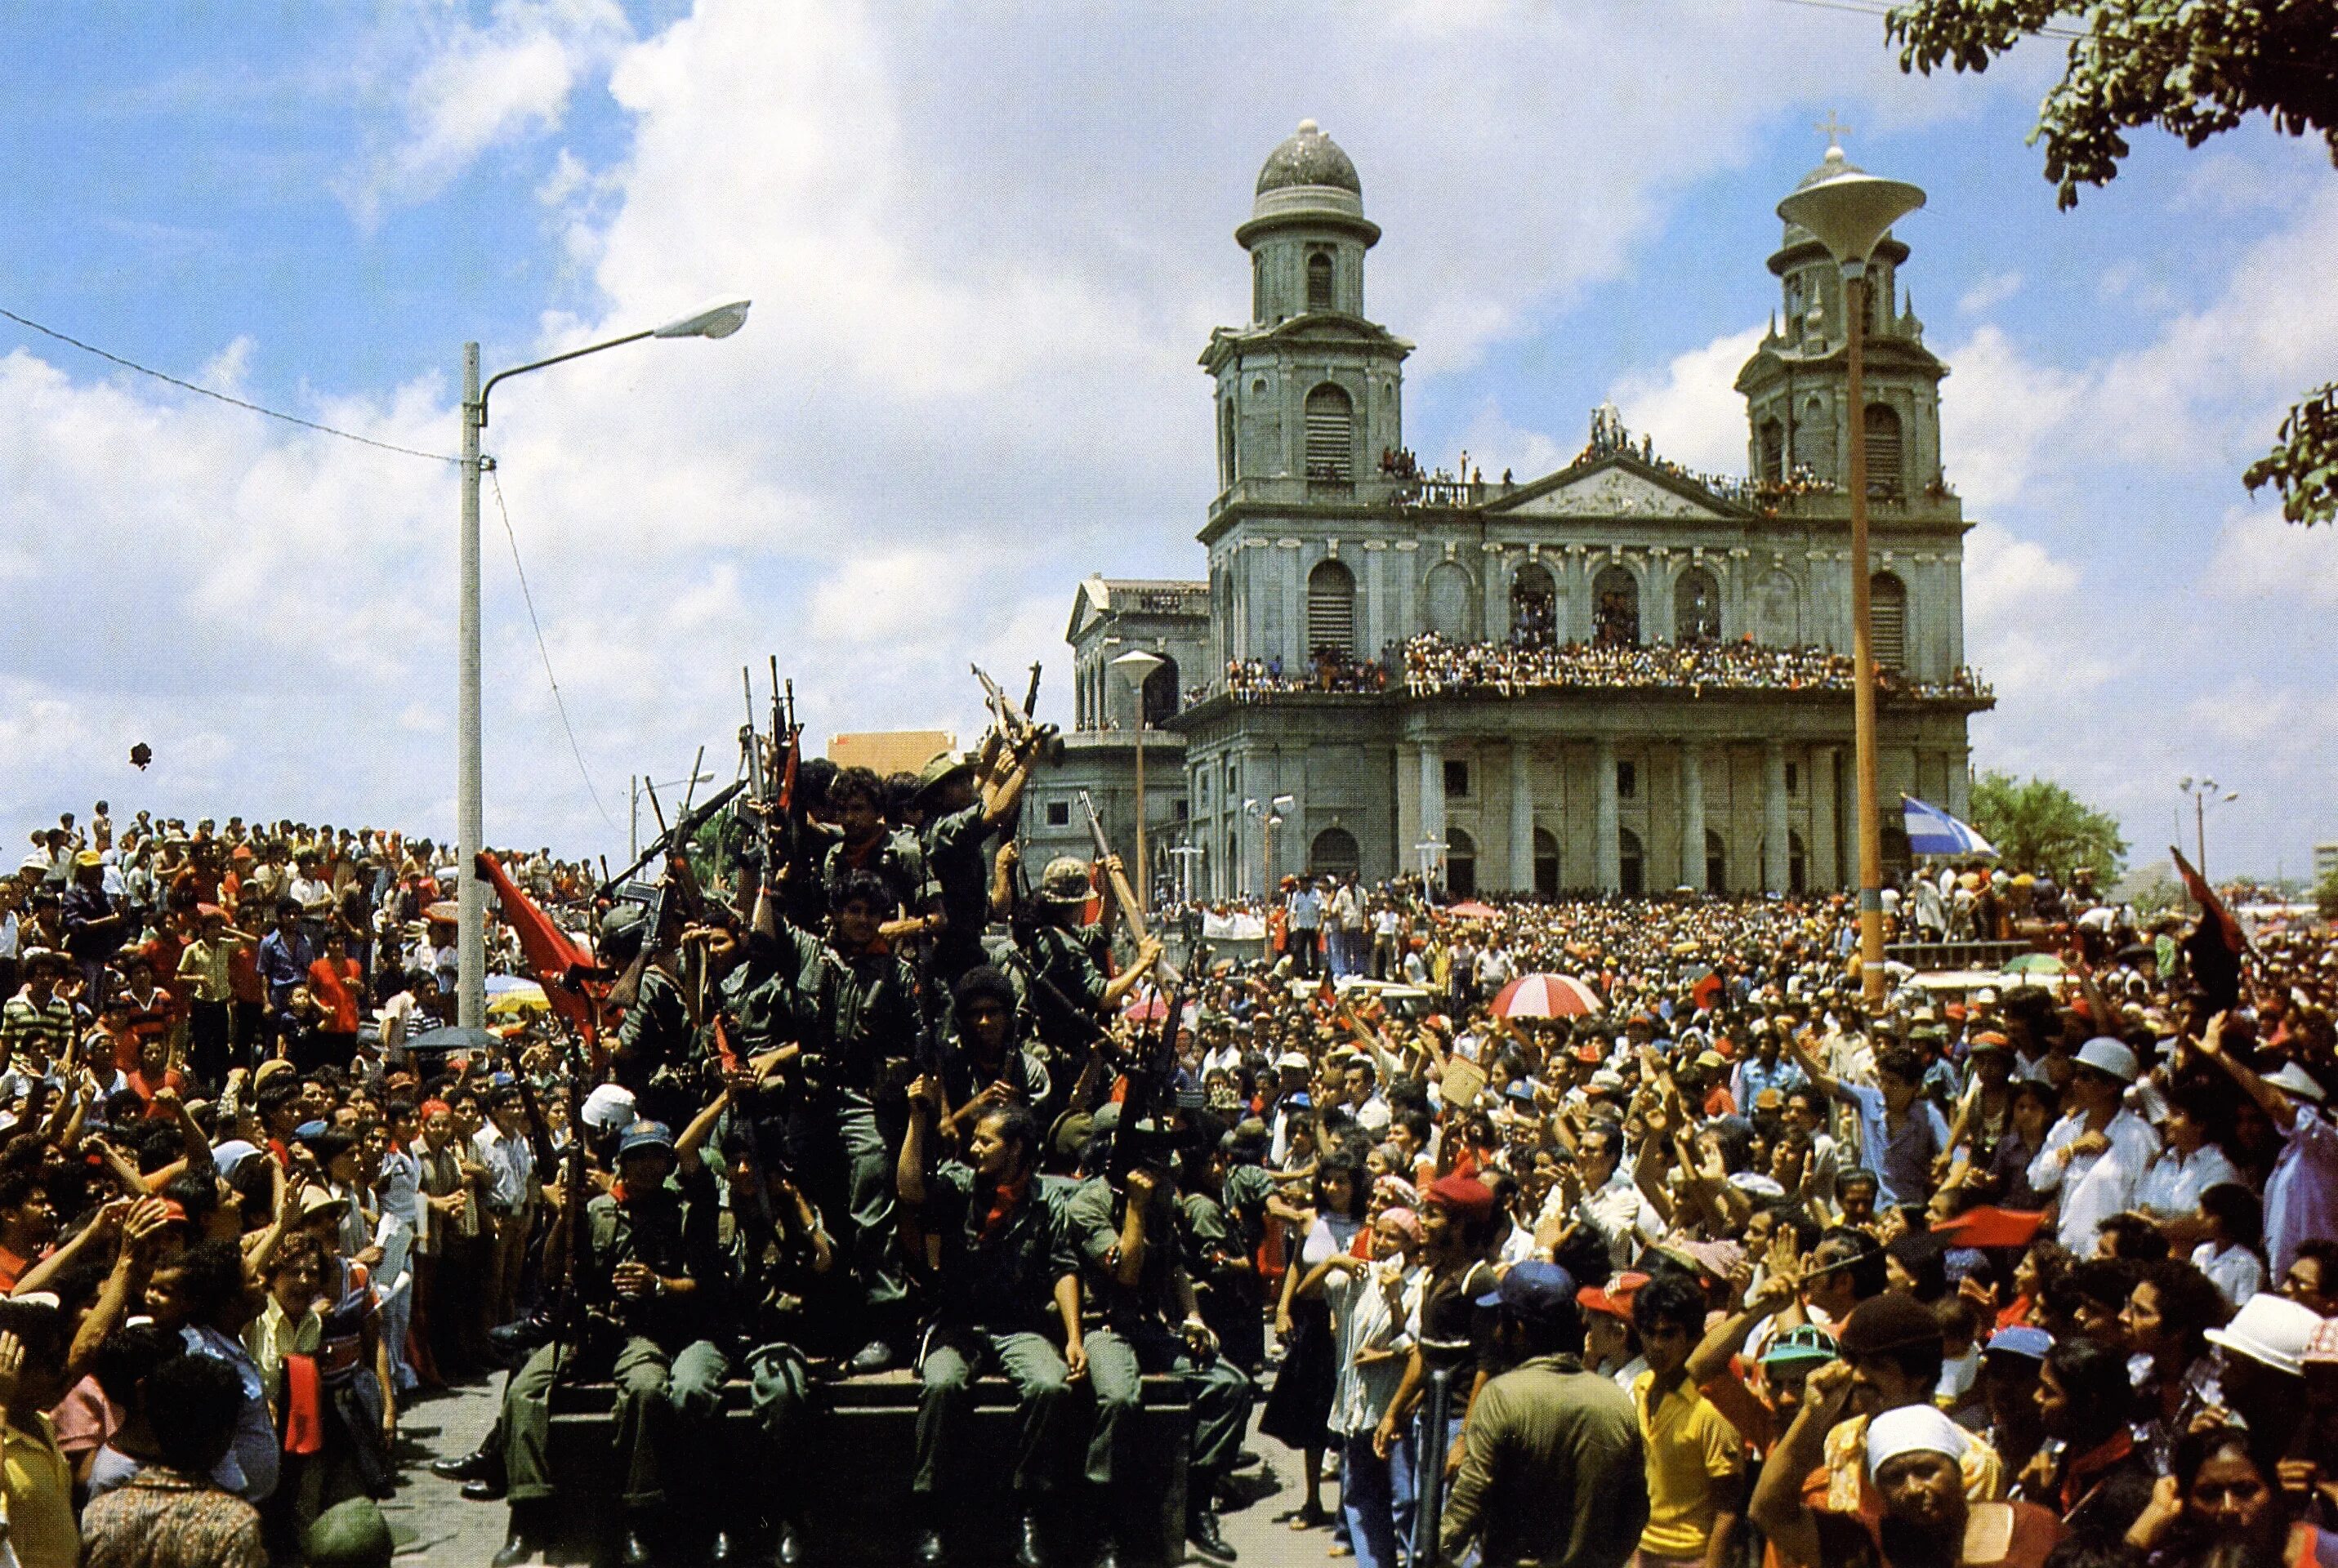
(1620, 677)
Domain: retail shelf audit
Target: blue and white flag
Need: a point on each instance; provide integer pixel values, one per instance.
(1933, 831)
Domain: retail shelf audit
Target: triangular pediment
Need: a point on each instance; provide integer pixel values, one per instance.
(1616, 487)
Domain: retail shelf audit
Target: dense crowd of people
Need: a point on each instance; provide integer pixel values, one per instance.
(1433, 666)
(1721, 1265)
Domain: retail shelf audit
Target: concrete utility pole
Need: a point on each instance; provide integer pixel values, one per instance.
(1848, 211)
(471, 893)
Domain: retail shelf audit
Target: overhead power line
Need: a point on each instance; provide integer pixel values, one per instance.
(186, 385)
(558, 701)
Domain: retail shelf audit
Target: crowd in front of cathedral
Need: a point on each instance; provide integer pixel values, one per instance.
(1696, 1257)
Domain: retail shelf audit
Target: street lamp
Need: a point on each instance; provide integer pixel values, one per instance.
(1847, 211)
(1137, 667)
(469, 809)
(2203, 794)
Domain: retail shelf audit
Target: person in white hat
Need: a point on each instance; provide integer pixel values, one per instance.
(2095, 1156)
(2300, 1196)
(1915, 1462)
(2261, 1371)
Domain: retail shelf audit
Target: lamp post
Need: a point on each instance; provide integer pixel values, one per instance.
(2203, 793)
(469, 802)
(1847, 211)
(1137, 667)
(1276, 815)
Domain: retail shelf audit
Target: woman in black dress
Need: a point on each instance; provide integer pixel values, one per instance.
(1300, 1404)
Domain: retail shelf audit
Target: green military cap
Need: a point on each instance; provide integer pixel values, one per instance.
(939, 768)
(1066, 881)
(352, 1534)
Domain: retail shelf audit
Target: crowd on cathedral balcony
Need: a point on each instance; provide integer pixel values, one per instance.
(1430, 665)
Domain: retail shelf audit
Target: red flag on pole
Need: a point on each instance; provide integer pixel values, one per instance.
(554, 960)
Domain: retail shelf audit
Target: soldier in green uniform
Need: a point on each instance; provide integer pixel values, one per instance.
(1071, 958)
(788, 1258)
(984, 1062)
(1222, 1219)
(864, 843)
(658, 1277)
(1136, 1287)
(847, 1008)
(961, 814)
(1006, 1291)
(657, 1033)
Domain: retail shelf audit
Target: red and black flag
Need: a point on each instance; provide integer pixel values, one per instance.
(2216, 942)
(557, 962)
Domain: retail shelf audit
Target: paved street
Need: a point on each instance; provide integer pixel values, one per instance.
(435, 1527)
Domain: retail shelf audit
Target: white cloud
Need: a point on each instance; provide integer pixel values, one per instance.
(1988, 292)
(467, 88)
(2003, 416)
(1690, 408)
(2261, 559)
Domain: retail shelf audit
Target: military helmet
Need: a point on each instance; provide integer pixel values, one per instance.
(1066, 881)
(939, 769)
(622, 930)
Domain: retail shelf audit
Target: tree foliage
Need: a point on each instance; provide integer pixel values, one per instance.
(2038, 826)
(2192, 67)
(2325, 895)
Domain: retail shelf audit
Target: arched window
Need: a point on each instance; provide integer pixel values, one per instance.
(1334, 854)
(1461, 863)
(1631, 864)
(1883, 475)
(1318, 281)
(1161, 693)
(1227, 464)
(1887, 616)
(1330, 611)
(1772, 441)
(1696, 607)
(1716, 862)
(1777, 611)
(1797, 862)
(1534, 607)
(1546, 863)
(1258, 286)
(1449, 600)
(1330, 434)
(1615, 607)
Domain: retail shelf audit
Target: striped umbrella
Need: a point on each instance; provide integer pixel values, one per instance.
(1546, 996)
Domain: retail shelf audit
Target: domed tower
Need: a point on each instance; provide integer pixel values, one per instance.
(1310, 389)
(1795, 386)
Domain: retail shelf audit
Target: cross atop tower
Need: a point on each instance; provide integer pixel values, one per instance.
(1834, 128)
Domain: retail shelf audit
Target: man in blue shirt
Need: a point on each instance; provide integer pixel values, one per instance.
(1900, 1131)
(284, 960)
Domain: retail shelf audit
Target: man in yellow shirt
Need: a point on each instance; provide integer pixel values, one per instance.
(35, 1477)
(1695, 1458)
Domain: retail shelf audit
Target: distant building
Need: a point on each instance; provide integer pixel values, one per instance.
(884, 751)
(2325, 862)
(1698, 728)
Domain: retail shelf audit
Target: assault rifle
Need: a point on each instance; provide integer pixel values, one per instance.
(677, 889)
(1122, 895)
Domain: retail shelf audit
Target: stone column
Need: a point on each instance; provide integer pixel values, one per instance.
(1691, 814)
(1606, 850)
(1774, 828)
(1522, 817)
(1432, 800)
(1827, 860)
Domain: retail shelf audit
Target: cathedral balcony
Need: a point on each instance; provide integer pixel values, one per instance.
(1432, 669)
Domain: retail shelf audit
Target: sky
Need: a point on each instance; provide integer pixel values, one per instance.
(985, 245)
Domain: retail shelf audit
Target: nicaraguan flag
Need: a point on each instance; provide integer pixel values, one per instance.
(1933, 831)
